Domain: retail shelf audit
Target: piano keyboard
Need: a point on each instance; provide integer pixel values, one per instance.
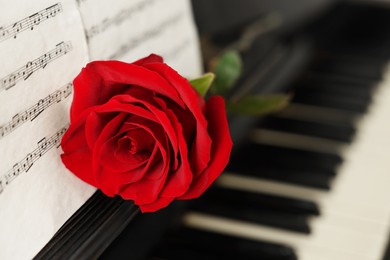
(312, 182)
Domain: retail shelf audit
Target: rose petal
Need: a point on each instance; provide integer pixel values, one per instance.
(157, 115)
(99, 81)
(200, 150)
(108, 131)
(116, 106)
(118, 180)
(82, 170)
(149, 59)
(220, 151)
(145, 191)
(94, 125)
(162, 119)
(74, 138)
(76, 150)
(109, 160)
(184, 116)
(163, 147)
(179, 181)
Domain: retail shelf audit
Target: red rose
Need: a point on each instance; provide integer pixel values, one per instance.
(141, 131)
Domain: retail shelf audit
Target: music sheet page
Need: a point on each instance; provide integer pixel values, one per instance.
(130, 30)
(43, 46)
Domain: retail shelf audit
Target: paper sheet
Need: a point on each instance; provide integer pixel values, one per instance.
(129, 30)
(43, 46)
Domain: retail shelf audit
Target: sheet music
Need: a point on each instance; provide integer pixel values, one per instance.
(133, 29)
(43, 46)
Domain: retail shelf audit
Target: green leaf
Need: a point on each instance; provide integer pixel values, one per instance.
(258, 105)
(203, 83)
(227, 70)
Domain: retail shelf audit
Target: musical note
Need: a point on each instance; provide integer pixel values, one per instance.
(17, 27)
(117, 19)
(44, 145)
(12, 31)
(28, 71)
(35, 110)
(35, 19)
(24, 72)
(28, 162)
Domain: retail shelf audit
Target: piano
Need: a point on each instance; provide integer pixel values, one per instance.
(309, 182)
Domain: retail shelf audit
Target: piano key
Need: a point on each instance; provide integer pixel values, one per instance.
(282, 171)
(254, 199)
(315, 90)
(356, 214)
(297, 141)
(224, 246)
(323, 88)
(326, 201)
(240, 211)
(280, 159)
(326, 240)
(349, 66)
(344, 80)
(177, 251)
(338, 102)
(354, 222)
(290, 169)
(316, 129)
(312, 113)
(299, 177)
(335, 86)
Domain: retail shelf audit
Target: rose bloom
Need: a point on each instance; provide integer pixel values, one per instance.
(141, 131)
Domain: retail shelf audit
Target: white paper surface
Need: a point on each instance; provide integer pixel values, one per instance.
(129, 30)
(43, 46)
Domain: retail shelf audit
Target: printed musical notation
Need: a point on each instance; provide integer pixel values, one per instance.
(117, 19)
(148, 34)
(24, 72)
(44, 145)
(28, 23)
(34, 111)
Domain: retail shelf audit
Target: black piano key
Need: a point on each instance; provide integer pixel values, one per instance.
(313, 179)
(350, 66)
(178, 252)
(267, 201)
(258, 215)
(324, 85)
(330, 91)
(340, 83)
(338, 102)
(256, 156)
(219, 246)
(342, 133)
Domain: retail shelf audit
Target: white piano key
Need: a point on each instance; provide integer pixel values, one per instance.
(313, 113)
(289, 140)
(328, 241)
(322, 198)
